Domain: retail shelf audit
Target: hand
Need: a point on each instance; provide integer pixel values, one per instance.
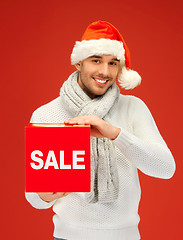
(99, 128)
(50, 196)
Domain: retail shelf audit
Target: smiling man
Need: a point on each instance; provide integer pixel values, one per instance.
(97, 74)
(124, 138)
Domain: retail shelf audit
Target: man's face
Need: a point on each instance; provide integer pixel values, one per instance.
(97, 74)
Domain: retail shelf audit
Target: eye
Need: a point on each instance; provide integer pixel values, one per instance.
(96, 61)
(113, 63)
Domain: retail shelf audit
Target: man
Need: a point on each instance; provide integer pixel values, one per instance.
(124, 138)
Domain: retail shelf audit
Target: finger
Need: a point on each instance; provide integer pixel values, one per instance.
(48, 193)
(59, 194)
(66, 193)
(72, 121)
(78, 120)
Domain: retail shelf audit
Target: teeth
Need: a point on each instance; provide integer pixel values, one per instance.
(101, 81)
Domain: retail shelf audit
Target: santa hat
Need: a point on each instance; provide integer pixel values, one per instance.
(100, 38)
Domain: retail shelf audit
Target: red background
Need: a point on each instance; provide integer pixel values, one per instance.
(36, 42)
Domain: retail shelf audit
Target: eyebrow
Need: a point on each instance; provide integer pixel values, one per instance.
(115, 59)
(96, 56)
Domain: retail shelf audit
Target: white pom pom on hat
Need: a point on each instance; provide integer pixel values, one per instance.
(100, 38)
(129, 79)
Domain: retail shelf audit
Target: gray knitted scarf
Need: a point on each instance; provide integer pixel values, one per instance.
(104, 175)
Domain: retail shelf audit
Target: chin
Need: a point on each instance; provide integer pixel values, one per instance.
(100, 93)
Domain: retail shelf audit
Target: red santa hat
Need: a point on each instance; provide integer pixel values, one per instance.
(100, 38)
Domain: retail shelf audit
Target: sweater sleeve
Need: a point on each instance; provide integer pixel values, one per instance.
(145, 147)
(33, 198)
(37, 202)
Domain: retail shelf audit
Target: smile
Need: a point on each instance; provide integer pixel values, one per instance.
(100, 80)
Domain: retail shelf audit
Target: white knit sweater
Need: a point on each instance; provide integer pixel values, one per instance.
(138, 146)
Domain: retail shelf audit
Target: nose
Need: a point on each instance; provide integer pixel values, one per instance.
(104, 69)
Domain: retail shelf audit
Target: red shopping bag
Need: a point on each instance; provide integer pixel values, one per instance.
(57, 157)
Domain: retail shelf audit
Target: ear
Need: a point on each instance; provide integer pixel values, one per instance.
(78, 66)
